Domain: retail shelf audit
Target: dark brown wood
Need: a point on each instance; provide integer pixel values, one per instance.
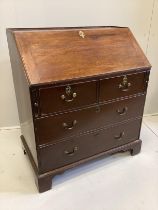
(136, 149)
(22, 90)
(28, 152)
(80, 94)
(51, 129)
(44, 181)
(50, 100)
(64, 153)
(138, 84)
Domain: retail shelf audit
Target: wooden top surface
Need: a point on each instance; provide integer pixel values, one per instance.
(55, 54)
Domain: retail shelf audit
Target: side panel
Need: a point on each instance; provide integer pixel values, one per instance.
(22, 91)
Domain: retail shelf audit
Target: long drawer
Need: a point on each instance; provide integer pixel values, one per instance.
(77, 148)
(55, 128)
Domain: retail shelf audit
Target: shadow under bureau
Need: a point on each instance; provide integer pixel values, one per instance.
(80, 94)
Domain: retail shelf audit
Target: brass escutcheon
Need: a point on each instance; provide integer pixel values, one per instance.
(82, 34)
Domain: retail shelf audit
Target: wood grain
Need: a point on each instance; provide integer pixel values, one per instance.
(97, 77)
(50, 129)
(54, 156)
(61, 54)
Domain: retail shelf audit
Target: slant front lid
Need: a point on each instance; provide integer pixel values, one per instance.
(50, 55)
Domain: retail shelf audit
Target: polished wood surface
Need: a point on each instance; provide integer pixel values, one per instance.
(84, 146)
(44, 180)
(138, 84)
(50, 97)
(22, 89)
(51, 129)
(62, 54)
(80, 94)
(89, 93)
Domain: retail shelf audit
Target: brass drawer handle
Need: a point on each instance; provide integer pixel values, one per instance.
(124, 86)
(123, 111)
(69, 95)
(69, 127)
(71, 153)
(120, 136)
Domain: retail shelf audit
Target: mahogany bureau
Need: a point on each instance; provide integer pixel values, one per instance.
(80, 94)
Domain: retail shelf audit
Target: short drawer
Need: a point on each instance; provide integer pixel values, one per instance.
(121, 86)
(78, 148)
(62, 126)
(55, 99)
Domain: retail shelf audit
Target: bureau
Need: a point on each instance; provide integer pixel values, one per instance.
(80, 95)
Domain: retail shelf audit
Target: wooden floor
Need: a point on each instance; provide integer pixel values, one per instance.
(119, 182)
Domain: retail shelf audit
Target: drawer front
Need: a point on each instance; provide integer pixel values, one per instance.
(78, 148)
(66, 125)
(122, 86)
(66, 97)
